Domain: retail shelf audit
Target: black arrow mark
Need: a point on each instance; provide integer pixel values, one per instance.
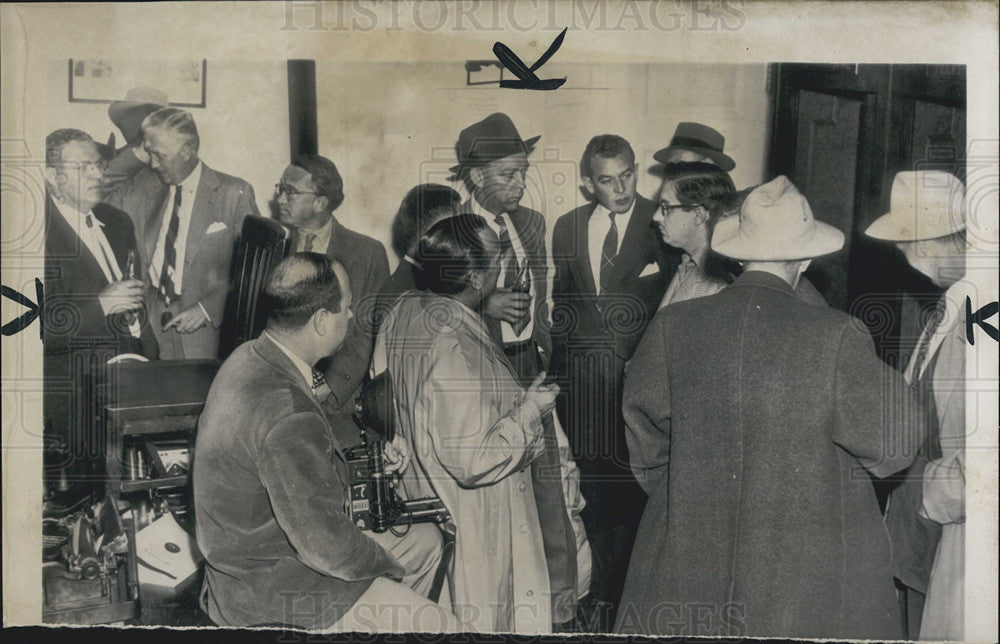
(26, 318)
(527, 76)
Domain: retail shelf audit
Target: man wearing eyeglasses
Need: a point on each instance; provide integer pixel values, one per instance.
(611, 272)
(309, 192)
(93, 306)
(188, 218)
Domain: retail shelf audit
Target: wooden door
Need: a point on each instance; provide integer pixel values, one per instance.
(841, 133)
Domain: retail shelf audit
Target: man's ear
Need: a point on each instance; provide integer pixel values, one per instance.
(476, 176)
(588, 183)
(476, 280)
(700, 215)
(320, 202)
(318, 322)
(52, 176)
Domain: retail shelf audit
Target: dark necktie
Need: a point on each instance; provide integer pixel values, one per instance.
(109, 262)
(309, 242)
(167, 287)
(608, 252)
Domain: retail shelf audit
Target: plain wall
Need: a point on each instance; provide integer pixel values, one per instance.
(389, 127)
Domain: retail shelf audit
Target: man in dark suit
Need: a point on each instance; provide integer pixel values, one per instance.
(310, 190)
(188, 218)
(93, 306)
(610, 273)
(270, 483)
(493, 164)
(752, 420)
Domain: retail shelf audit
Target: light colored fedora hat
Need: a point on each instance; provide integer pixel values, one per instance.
(923, 205)
(139, 103)
(775, 224)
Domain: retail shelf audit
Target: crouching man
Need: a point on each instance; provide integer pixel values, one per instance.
(270, 484)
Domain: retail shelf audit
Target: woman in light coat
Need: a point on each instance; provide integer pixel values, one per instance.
(471, 430)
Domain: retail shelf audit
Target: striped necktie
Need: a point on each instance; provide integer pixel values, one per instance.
(167, 287)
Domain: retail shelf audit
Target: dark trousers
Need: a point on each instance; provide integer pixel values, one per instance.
(558, 539)
(611, 517)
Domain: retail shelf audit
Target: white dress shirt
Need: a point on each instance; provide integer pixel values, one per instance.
(320, 242)
(509, 336)
(93, 238)
(97, 243)
(597, 230)
(188, 188)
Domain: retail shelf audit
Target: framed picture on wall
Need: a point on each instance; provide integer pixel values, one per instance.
(107, 81)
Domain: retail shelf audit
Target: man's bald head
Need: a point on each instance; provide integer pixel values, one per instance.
(302, 284)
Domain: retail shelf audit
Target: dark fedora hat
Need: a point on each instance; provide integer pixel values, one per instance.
(495, 137)
(700, 139)
(129, 114)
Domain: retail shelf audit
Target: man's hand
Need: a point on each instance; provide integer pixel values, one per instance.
(140, 153)
(187, 321)
(509, 306)
(119, 297)
(543, 395)
(396, 455)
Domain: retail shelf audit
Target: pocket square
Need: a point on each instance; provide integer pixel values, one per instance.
(651, 269)
(216, 227)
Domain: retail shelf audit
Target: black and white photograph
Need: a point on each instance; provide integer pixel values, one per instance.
(668, 318)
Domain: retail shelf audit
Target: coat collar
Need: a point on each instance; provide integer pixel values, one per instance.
(760, 279)
(446, 312)
(270, 353)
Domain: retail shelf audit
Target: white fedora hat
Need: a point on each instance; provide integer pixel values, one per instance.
(775, 224)
(923, 205)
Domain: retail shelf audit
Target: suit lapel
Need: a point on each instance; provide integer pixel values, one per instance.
(205, 199)
(66, 243)
(151, 228)
(581, 263)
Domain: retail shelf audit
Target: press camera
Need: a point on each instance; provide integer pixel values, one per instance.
(373, 503)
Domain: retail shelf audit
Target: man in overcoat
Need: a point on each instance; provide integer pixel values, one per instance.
(752, 419)
(926, 222)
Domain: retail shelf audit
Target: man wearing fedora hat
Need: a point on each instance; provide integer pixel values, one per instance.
(696, 142)
(926, 513)
(493, 164)
(752, 418)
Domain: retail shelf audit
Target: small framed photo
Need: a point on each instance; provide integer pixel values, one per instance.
(107, 81)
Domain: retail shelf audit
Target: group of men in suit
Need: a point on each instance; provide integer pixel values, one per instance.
(148, 270)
